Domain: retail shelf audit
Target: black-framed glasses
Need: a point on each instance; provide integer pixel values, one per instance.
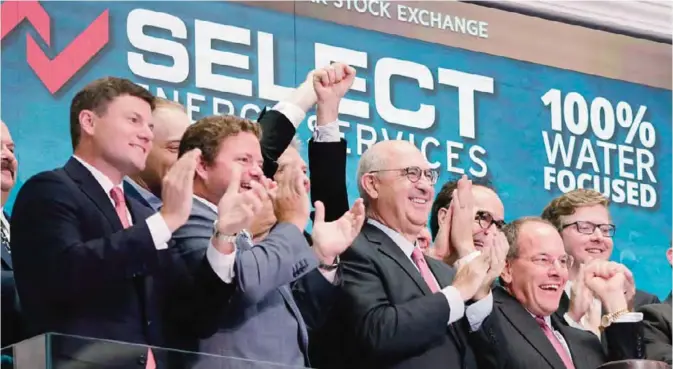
(414, 174)
(584, 227)
(543, 260)
(486, 219)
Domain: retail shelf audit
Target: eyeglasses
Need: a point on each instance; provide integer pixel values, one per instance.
(413, 174)
(564, 262)
(607, 230)
(485, 220)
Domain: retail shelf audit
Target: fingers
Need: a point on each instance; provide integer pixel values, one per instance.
(319, 212)
(234, 179)
(358, 211)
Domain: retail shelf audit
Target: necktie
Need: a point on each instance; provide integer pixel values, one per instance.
(422, 265)
(4, 233)
(120, 207)
(560, 350)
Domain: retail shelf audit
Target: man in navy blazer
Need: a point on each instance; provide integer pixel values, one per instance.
(11, 311)
(89, 260)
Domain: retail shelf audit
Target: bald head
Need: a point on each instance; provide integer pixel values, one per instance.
(396, 183)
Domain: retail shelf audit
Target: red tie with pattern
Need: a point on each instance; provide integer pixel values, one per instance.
(120, 207)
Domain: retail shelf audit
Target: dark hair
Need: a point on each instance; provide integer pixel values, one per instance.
(208, 133)
(444, 197)
(97, 95)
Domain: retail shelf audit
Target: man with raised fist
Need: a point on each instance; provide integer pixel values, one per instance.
(282, 285)
(531, 335)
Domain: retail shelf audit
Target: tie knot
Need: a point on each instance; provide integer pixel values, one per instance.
(117, 196)
(540, 320)
(417, 255)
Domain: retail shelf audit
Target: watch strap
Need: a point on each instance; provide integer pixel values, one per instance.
(330, 267)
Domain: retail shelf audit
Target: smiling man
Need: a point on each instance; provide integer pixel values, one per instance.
(583, 219)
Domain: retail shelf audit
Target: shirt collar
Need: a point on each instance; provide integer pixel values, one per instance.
(101, 178)
(209, 204)
(404, 244)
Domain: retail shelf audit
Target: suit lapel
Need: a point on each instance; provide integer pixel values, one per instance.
(389, 248)
(523, 322)
(93, 190)
(575, 347)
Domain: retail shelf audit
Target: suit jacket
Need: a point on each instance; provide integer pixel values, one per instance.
(279, 294)
(386, 315)
(657, 332)
(11, 310)
(81, 273)
(526, 345)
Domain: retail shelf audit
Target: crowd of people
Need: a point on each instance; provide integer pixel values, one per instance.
(193, 237)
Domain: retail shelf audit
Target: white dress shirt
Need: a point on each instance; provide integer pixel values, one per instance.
(159, 230)
(557, 334)
(476, 313)
(5, 223)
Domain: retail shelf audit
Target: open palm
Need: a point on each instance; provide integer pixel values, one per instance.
(330, 239)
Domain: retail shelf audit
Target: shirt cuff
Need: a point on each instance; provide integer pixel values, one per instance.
(571, 322)
(292, 112)
(466, 259)
(629, 318)
(327, 133)
(159, 230)
(456, 304)
(222, 264)
(478, 311)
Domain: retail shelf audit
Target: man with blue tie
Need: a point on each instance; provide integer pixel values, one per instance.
(11, 313)
(89, 260)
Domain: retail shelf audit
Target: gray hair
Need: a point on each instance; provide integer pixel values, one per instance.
(369, 161)
(512, 229)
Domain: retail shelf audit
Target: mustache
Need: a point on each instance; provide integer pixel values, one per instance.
(7, 164)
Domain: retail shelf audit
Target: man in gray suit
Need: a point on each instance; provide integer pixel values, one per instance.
(283, 285)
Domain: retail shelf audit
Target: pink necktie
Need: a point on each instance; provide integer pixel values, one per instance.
(419, 260)
(120, 207)
(560, 350)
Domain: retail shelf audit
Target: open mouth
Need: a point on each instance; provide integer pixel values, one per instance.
(418, 200)
(139, 147)
(246, 186)
(595, 250)
(550, 287)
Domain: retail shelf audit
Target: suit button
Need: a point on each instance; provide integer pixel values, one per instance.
(142, 360)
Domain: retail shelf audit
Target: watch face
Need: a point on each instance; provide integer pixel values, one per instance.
(605, 321)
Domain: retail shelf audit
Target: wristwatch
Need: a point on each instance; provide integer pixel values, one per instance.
(330, 267)
(608, 319)
(230, 238)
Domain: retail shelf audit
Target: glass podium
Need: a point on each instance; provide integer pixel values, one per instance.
(58, 351)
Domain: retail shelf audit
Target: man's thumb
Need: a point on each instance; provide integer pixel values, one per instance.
(319, 212)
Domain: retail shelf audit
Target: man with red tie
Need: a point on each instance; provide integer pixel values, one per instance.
(533, 278)
(89, 260)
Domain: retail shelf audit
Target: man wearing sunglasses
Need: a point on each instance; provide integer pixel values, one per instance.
(488, 220)
(582, 218)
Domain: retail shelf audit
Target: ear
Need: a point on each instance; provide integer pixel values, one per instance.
(441, 215)
(371, 185)
(87, 121)
(202, 170)
(506, 274)
(669, 255)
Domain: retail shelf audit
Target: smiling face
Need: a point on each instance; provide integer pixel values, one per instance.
(535, 277)
(586, 247)
(9, 162)
(400, 203)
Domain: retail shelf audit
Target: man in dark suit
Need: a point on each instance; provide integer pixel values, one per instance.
(582, 217)
(533, 279)
(280, 291)
(89, 270)
(399, 309)
(657, 318)
(170, 121)
(11, 311)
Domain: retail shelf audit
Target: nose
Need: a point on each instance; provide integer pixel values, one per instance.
(597, 235)
(146, 134)
(255, 173)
